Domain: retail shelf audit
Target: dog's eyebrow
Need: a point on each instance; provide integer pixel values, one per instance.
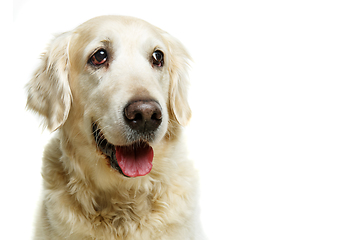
(101, 41)
(106, 41)
(94, 45)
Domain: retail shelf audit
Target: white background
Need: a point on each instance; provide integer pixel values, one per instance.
(275, 97)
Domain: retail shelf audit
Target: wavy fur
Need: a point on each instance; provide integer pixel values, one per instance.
(83, 197)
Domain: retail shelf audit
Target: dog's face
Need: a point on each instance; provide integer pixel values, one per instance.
(121, 82)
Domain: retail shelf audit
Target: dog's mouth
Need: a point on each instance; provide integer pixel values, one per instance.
(131, 160)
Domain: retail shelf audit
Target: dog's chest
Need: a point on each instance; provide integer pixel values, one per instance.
(137, 218)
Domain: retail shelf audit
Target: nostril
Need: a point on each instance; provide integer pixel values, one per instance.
(156, 116)
(138, 117)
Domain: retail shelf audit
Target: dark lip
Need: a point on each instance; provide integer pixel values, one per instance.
(106, 148)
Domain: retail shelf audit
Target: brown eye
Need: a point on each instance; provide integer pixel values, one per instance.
(98, 58)
(158, 58)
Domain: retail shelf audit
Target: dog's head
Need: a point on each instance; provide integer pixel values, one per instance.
(118, 81)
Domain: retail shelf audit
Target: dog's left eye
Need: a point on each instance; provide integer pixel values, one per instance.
(99, 57)
(158, 58)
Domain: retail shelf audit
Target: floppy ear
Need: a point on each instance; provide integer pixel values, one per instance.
(49, 91)
(178, 68)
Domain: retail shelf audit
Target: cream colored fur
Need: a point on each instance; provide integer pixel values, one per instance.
(83, 197)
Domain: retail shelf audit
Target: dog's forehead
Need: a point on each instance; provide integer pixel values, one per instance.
(115, 28)
(118, 35)
(119, 32)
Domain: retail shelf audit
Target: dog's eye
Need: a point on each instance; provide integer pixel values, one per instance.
(99, 57)
(158, 58)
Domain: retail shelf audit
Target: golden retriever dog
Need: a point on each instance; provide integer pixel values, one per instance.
(115, 91)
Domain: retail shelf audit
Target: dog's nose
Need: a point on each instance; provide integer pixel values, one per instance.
(143, 115)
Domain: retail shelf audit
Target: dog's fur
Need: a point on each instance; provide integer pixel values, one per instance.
(84, 197)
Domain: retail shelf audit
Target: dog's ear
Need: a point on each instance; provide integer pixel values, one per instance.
(178, 68)
(49, 91)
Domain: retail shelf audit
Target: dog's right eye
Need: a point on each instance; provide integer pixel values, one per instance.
(99, 57)
(158, 58)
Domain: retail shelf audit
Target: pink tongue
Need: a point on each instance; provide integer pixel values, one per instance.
(135, 160)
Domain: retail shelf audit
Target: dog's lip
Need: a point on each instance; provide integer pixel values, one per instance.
(105, 147)
(137, 163)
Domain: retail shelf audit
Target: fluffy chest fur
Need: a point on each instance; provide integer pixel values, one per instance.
(150, 208)
(115, 90)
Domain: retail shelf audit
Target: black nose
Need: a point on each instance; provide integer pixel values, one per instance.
(143, 115)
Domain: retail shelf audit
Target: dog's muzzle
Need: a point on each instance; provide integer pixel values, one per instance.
(143, 117)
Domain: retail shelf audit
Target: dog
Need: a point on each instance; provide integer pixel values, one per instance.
(115, 91)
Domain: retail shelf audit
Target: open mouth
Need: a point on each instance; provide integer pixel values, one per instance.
(131, 160)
